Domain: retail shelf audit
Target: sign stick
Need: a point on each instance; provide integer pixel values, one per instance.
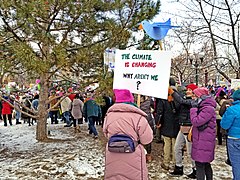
(161, 45)
(138, 100)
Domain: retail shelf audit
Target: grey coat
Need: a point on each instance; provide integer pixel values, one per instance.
(77, 109)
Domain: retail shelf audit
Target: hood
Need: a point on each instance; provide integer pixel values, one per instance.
(122, 107)
(76, 102)
(208, 101)
(236, 95)
(236, 102)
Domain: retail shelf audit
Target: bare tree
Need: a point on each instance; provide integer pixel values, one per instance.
(216, 22)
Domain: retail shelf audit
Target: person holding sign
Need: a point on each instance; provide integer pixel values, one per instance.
(167, 119)
(125, 121)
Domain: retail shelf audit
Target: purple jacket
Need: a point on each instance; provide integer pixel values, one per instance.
(203, 143)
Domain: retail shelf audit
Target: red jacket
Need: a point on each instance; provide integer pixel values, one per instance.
(6, 108)
(72, 96)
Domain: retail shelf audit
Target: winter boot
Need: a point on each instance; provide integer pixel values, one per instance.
(165, 167)
(192, 175)
(80, 121)
(77, 129)
(5, 122)
(18, 122)
(178, 171)
(10, 122)
(29, 123)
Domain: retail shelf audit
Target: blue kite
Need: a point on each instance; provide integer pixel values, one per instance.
(157, 30)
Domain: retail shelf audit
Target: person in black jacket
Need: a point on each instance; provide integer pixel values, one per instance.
(106, 105)
(185, 125)
(227, 103)
(167, 121)
(220, 98)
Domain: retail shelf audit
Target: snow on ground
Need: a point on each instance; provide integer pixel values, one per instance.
(75, 156)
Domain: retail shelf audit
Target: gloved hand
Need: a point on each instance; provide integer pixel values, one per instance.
(170, 91)
(170, 98)
(194, 103)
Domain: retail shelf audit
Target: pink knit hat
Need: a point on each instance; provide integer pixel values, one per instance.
(123, 95)
(201, 91)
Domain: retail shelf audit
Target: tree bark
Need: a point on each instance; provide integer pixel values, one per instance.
(1, 79)
(41, 133)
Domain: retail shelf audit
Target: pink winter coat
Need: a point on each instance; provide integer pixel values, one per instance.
(127, 119)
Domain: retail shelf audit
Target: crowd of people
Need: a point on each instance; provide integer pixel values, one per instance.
(191, 118)
(73, 109)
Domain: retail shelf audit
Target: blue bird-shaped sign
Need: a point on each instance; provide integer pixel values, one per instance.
(157, 30)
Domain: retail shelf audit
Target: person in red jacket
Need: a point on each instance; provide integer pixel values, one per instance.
(7, 111)
(71, 96)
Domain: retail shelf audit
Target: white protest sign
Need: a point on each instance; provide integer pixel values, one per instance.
(235, 84)
(109, 58)
(143, 72)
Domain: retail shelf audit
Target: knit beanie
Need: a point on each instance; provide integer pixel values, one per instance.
(201, 91)
(192, 86)
(123, 95)
(236, 95)
(172, 82)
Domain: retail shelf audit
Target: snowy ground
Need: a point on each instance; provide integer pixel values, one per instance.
(75, 156)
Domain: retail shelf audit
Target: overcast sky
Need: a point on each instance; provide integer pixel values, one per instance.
(174, 10)
(168, 9)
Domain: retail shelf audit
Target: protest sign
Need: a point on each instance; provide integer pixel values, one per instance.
(109, 58)
(143, 72)
(235, 84)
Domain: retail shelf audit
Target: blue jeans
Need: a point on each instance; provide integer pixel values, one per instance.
(91, 124)
(18, 115)
(53, 116)
(234, 155)
(66, 115)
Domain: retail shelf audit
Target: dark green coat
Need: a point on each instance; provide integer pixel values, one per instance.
(91, 108)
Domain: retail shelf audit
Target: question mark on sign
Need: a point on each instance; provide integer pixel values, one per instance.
(138, 82)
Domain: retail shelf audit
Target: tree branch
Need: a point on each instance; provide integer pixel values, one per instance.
(9, 28)
(18, 109)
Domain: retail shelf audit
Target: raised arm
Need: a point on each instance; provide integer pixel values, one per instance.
(180, 99)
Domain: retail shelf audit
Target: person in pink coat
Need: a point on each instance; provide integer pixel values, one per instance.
(124, 117)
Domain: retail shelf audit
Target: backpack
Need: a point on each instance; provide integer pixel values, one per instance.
(121, 143)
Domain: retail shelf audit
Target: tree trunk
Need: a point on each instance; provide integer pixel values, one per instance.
(1, 79)
(41, 133)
